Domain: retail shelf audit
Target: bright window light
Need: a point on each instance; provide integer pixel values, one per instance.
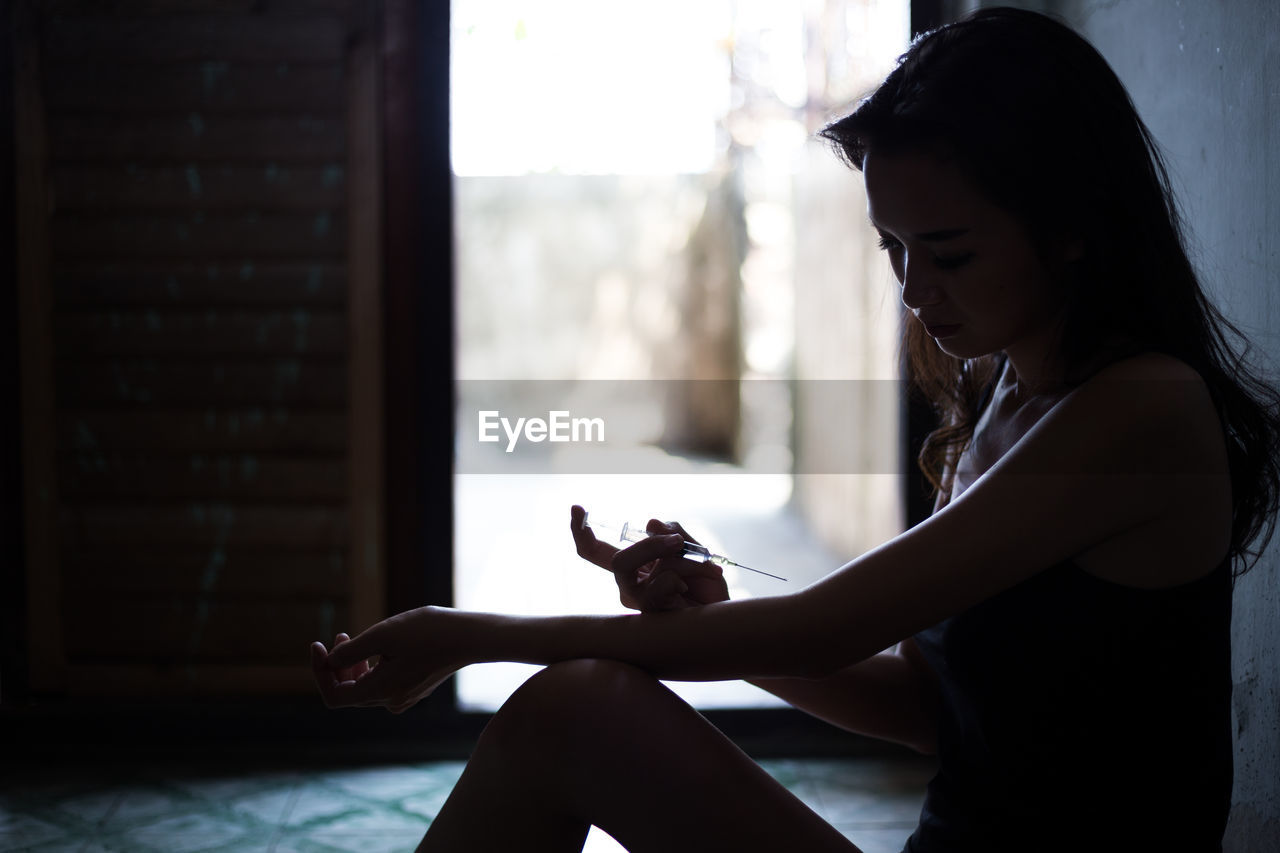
(588, 87)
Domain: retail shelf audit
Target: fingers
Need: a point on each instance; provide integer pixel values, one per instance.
(357, 650)
(651, 575)
(350, 673)
(350, 694)
(658, 528)
(660, 586)
(628, 561)
(679, 582)
(664, 592)
(328, 680)
(584, 539)
(693, 569)
(339, 692)
(344, 674)
(325, 677)
(365, 692)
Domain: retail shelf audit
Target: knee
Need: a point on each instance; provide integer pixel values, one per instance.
(580, 688)
(574, 704)
(588, 678)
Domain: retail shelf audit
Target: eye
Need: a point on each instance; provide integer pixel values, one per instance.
(953, 263)
(888, 244)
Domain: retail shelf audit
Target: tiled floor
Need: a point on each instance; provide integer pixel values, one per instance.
(143, 809)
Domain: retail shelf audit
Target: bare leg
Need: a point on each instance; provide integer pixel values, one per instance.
(599, 742)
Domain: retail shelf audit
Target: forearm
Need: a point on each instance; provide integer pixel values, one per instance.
(885, 696)
(764, 637)
(849, 616)
(868, 605)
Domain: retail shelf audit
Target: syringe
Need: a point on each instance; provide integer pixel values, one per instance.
(632, 532)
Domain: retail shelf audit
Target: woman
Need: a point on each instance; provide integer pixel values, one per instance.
(1057, 631)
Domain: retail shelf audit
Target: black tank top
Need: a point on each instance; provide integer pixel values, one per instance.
(1080, 714)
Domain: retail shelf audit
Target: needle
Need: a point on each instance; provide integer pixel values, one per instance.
(628, 532)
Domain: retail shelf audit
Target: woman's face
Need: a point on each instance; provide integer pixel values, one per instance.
(969, 271)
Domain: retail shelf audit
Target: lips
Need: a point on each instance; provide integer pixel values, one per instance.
(941, 330)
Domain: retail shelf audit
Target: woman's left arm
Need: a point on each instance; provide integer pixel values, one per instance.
(1112, 456)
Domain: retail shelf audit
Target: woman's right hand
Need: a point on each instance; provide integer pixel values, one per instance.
(415, 651)
(668, 582)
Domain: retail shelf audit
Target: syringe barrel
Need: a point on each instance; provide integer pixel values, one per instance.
(632, 532)
(627, 531)
(697, 553)
(620, 531)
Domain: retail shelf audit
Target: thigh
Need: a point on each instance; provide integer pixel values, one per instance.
(625, 753)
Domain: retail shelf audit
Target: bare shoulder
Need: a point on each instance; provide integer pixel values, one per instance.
(1161, 381)
(1136, 456)
(1166, 426)
(1150, 365)
(1152, 379)
(1126, 475)
(1162, 406)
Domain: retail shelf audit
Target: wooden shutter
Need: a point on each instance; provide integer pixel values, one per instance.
(199, 228)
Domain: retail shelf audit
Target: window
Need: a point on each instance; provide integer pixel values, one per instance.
(648, 235)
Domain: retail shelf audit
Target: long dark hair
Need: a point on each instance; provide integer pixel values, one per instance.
(1033, 114)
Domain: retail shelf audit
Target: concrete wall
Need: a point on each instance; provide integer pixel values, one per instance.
(1206, 78)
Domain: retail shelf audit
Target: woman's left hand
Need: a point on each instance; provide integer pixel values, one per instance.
(416, 651)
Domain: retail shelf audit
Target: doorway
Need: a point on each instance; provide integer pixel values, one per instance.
(645, 222)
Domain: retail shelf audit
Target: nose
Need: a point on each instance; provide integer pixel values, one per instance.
(919, 287)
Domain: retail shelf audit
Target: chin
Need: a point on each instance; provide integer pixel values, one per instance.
(957, 347)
